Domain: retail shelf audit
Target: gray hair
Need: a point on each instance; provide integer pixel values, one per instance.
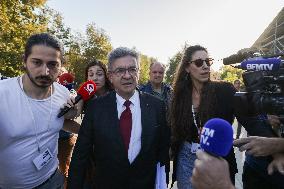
(159, 63)
(119, 53)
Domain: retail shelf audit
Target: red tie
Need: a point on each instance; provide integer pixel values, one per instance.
(125, 124)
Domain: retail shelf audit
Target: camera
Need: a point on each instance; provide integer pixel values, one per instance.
(264, 84)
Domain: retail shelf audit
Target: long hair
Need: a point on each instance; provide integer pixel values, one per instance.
(181, 120)
(108, 85)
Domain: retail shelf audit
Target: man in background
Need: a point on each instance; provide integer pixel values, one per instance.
(155, 85)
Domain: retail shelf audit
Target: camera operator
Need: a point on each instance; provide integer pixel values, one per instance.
(264, 159)
(264, 83)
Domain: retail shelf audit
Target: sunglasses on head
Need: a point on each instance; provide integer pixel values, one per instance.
(199, 62)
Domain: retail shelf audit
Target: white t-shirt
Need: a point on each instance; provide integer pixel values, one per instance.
(21, 117)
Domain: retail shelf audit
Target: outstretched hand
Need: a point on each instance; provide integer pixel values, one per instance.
(260, 146)
(210, 172)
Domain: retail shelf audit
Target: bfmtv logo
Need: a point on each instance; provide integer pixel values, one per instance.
(90, 88)
(205, 135)
(258, 67)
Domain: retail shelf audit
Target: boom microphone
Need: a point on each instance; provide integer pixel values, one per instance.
(217, 137)
(258, 64)
(85, 92)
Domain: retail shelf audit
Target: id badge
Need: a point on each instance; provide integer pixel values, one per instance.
(42, 159)
(195, 147)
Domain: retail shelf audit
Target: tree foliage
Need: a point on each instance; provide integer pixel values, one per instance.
(173, 64)
(79, 49)
(18, 20)
(95, 44)
(230, 74)
(145, 62)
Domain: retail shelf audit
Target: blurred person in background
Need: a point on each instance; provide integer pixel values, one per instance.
(155, 85)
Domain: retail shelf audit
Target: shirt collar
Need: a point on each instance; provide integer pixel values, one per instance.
(134, 99)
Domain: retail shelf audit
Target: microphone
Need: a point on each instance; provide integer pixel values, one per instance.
(217, 137)
(260, 64)
(85, 92)
(67, 80)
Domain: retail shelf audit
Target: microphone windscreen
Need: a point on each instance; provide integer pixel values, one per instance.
(66, 78)
(217, 137)
(87, 90)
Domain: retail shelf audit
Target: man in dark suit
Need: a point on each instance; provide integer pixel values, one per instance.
(126, 130)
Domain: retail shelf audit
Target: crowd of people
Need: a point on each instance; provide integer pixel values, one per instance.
(130, 132)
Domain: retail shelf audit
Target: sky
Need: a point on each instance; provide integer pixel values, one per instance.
(160, 28)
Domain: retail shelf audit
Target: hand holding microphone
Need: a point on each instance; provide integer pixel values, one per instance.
(217, 137)
(210, 170)
(85, 92)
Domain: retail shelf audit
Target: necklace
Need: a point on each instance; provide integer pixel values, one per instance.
(20, 81)
(195, 121)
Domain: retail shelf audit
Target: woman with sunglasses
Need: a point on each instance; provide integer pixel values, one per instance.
(196, 99)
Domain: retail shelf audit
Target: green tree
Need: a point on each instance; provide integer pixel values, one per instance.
(145, 62)
(215, 75)
(57, 27)
(230, 74)
(97, 44)
(94, 45)
(80, 49)
(18, 20)
(75, 61)
(173, 63)
(84, 49)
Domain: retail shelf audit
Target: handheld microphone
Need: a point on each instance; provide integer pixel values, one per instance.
(217, 137)
(260, 64)
(85, 92)
(67, 80)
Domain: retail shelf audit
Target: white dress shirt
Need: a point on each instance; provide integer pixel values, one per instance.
(135, 139)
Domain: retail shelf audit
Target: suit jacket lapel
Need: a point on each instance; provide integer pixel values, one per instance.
(115, 126)
(145, 120)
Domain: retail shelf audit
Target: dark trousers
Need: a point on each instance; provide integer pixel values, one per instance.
(253, 179)
(65, 149)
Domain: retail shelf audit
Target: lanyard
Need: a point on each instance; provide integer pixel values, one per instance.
(20, 81)
(195, 122)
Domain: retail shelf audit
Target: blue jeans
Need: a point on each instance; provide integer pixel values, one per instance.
(185, 165)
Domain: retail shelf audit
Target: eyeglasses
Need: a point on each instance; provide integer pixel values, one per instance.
(121, 71)
(199, 62)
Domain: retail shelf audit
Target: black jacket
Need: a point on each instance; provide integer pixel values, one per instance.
(100, 128)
